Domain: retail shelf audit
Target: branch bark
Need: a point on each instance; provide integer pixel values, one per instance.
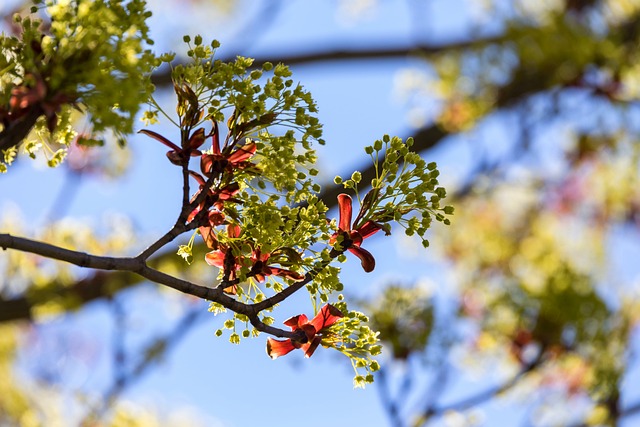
(139, 267)
(341, 55)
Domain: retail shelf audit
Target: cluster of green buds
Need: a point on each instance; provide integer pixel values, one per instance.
(83, 57)
(405, 189)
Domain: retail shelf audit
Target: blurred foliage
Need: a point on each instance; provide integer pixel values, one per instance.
(404, 317)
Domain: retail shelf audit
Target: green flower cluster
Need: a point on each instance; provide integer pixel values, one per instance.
(85, 55)
(359, 343)
(405, 187)
(252, 105)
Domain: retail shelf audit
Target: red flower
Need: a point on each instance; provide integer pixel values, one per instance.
(352, 239)
(214, 218)
(260, 268)
(213, 197)
(311, 332)
(220, 160)
(178, 155)
(222, 257)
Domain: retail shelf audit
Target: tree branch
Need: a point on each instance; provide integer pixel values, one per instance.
(163, 77)
(139, 267)
(15, 133)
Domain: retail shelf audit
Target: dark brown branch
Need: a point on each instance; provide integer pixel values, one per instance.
(139, 267)
(15, 133)
(80, 259)
(168, 237)
(163, 77)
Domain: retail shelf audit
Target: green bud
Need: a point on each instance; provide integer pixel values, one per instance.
(186, 39)
(356, 177)
(234, 338)
(337, 180)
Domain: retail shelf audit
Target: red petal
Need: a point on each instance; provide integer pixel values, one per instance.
(259, 256)
(209, 237)
(356, 238)
(215, 258)
(206, 162)
(160, 138)
(197, 177)
(194, 212)
(197, 139)
(296, 321)
(243, 153)
(174, 157)
(277, 348)
(215, 218)
(366, 259)
(309, 348)
(229, 191)
(369, 228)
(309, 330)
(231, 290)
(233, 231)
(327, 316)
(344, 204)
(277, 271)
